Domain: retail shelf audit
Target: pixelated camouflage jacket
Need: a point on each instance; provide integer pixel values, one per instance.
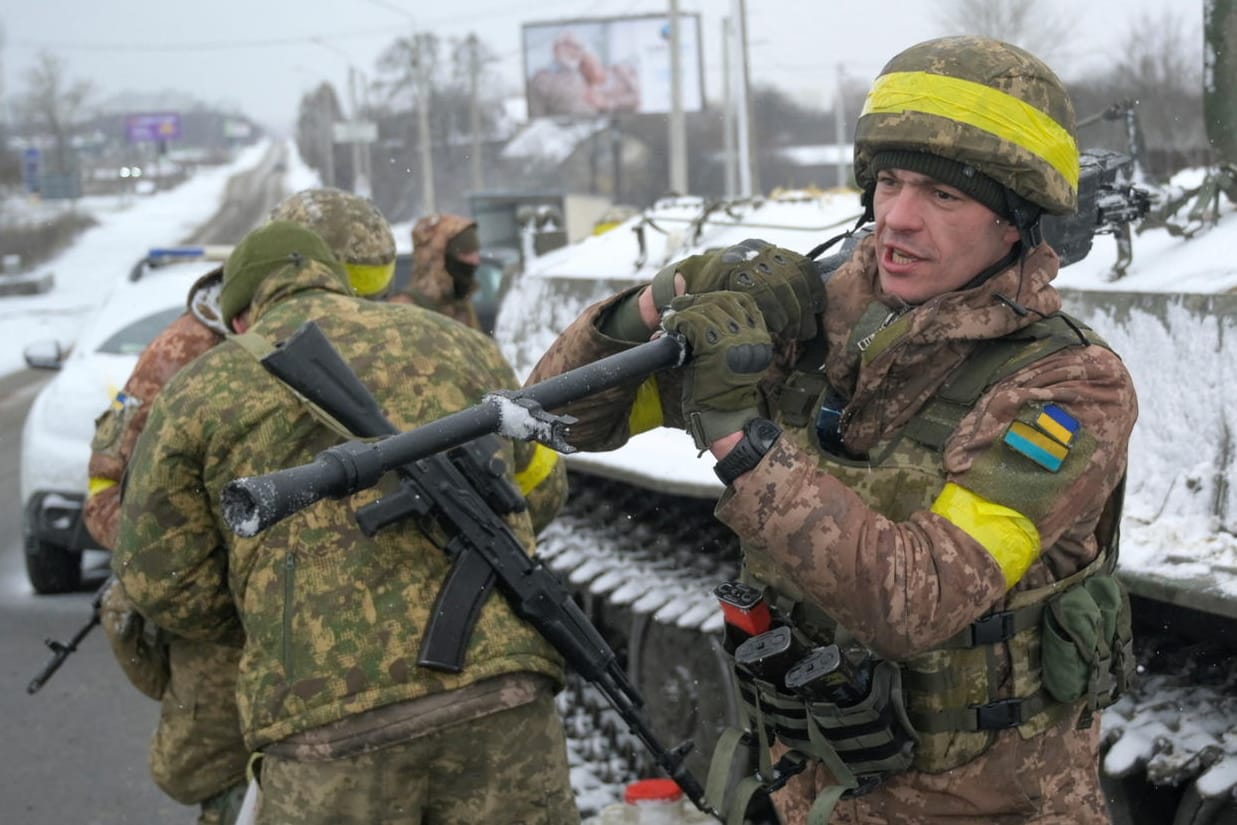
(431, 285)
(116, 431)
(905, 587)
(914, 584)
(331, 619)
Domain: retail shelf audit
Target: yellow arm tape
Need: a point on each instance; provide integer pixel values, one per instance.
(539, 466)
(980, 106)
(369, 279)
(1010, 537)
(645, 413)
(98, 485)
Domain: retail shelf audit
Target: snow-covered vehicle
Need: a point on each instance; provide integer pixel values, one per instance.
(55, 445)
(640, 546)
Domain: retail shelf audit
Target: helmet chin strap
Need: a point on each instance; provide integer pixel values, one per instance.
(1025, 216)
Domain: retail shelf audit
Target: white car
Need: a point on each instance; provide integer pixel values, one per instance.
(56, 438)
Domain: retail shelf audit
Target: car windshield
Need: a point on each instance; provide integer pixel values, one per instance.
(134, 337)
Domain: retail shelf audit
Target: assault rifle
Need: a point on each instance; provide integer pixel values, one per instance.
(454, 479)
(60, 650)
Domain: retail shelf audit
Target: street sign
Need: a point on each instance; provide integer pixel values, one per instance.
(155, 126)
(355, 131)
(30, 170)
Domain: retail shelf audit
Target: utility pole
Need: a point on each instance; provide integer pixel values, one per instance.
(421, 66)
(728, 118)
(360, 182)
(474, 109)
(747, 168)
(839, 127)
(678, 135)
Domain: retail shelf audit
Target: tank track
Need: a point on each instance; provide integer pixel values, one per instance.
(644, 564)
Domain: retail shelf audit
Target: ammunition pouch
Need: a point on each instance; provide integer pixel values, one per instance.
(868, 740)
(860, 743)
(1087, 645)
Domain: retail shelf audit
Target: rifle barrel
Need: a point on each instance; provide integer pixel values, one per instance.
(252, 504)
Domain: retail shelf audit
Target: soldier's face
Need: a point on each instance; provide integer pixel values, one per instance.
(931, 238)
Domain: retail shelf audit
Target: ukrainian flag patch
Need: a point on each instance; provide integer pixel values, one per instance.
(1057, 423)
(1047, 441)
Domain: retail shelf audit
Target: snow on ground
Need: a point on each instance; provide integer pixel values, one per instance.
(128, 225)
(1161, 263)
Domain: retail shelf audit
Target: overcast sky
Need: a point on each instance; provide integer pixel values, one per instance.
(260, 56)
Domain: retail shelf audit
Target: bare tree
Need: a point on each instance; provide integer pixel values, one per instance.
(53, 104)
(1035, 25)
(319, 111)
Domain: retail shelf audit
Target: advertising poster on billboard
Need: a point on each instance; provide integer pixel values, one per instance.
(607, 65)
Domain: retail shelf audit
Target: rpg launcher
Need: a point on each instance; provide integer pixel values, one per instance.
(447, 471)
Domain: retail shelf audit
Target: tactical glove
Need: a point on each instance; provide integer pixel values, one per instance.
(729, 351)
(783, 283)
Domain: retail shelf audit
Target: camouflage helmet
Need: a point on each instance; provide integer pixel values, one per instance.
(987, 105)
(352, 227)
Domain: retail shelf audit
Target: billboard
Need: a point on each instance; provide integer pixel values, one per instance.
(605, 65)
(153, 127)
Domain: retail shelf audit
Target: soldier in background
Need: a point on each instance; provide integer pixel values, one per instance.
(445, 257)
(351, 729)
(923, 459)
(197, 755)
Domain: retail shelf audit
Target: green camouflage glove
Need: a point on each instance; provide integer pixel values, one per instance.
(783, 283)
(730, 350)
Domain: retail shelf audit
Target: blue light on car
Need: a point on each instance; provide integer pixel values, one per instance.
(176, 252)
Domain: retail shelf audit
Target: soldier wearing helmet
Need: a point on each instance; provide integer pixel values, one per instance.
(349, 726)
(923, 458)
(197, 755)
(353, 228)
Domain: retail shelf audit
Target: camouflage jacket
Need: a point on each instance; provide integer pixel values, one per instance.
(330, 619)
(116, 431)
(904, 587)
(431, 285)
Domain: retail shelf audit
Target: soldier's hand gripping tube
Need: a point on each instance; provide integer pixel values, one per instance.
(462, 490)
(250, 505)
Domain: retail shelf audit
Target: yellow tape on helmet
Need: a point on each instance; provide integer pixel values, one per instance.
(369, 279)
(983, 107)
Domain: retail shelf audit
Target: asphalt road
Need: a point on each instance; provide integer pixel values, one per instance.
(75, 752)
(248, 198)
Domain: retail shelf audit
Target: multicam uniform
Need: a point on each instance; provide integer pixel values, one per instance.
(331, 619)
(884, 555)
(432, 286)
(197, 754)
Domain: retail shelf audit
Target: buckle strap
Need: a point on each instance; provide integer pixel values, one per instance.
(998, 715)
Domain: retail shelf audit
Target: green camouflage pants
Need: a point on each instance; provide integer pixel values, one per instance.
(197, 751)
(508, 768)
